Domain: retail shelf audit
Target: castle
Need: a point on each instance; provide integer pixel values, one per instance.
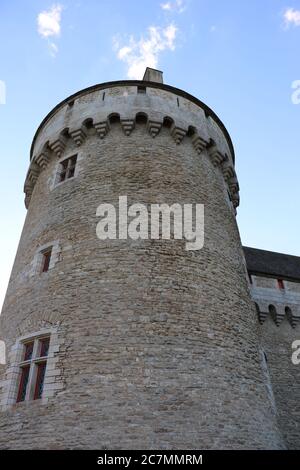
(133, 343)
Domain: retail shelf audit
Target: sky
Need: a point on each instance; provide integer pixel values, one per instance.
(240, 57)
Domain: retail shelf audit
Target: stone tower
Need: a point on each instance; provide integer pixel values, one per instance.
(131, 344)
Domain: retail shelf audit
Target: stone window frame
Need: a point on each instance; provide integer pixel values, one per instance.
(38, 260)
(53, 378)
(67, 168)
(57, 169)
(47, 255)
(32, 364)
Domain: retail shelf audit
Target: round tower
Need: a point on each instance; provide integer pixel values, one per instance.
(131, 344)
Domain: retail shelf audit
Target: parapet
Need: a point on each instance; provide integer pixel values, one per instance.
(94, 107)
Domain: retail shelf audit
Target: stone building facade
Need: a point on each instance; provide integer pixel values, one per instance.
(141, 344)
(275, 289)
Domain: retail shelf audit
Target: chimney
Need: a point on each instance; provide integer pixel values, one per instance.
(153, 75)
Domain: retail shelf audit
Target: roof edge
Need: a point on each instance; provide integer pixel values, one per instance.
(272, 264)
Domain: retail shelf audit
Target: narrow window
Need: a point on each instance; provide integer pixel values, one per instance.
(71, 167)
(46, 259)
(44, 347)
(280, 284)
(288, 311)
(272, 311)
(28, 351)
(23, 383)
(141, 89)
(40, 377)
(168, 122)
(33, 369)
(141, 118)
(64, 166)
(67, 168)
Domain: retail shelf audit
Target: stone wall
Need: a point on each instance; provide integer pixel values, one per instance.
(279, 328)
(158, 346)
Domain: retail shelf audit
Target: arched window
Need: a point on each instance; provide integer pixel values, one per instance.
(88, 123)
(291, 318)
(168, 122)
(114, 118)
(191, 131)
(288, 312)
(272, 310)
(141, 118)
(65, 133)
(211, 143)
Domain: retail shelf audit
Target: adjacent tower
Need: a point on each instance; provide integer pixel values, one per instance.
(131, 344)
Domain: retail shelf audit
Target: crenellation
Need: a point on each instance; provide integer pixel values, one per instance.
(127, 126)
(178, 134)
(199, 143)
(58, 145)
(78, 135)
(43, 158)
(216, 156)
(228, 171)
(92, 106)
(102, 128)
(154, 127)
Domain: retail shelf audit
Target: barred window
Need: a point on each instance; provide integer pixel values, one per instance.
(67, 168)
(33, 369)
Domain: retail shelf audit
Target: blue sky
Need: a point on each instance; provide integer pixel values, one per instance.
(239, 57)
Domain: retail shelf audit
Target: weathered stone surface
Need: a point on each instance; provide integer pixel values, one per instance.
(158, 347)
(277, 333)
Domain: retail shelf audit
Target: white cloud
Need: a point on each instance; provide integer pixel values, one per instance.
(123, 52)
(166, 6)
(2, 92)
(49, 21)
(145, 53)
(49, 26)
(53, 49)
(177, 6)
(292, 17)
